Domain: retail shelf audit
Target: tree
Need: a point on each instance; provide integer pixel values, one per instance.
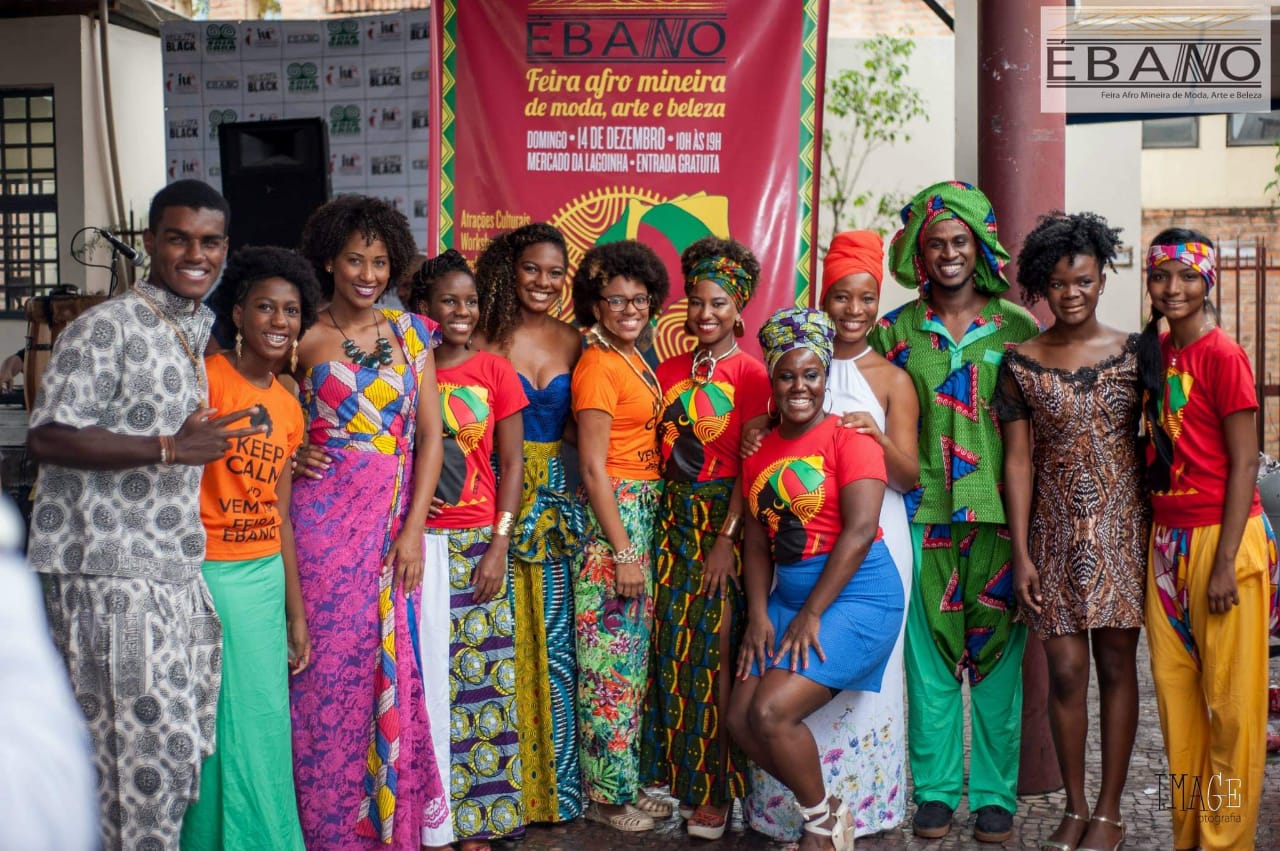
(874, 105)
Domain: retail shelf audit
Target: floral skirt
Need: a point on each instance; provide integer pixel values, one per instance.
(613, 649)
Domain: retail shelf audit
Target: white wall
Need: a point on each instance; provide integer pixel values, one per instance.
(906, 167)
(1104, 176)
(1210, 175)
(62, 52)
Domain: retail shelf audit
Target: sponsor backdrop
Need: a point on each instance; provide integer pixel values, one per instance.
(655, 119)
(367, 77)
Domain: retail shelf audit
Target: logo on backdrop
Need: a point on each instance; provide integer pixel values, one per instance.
(344, 34)
(220, 38)
(344, 120)
(1172, 58)
(303, 77)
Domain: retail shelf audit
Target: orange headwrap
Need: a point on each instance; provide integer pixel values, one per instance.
(851, 252)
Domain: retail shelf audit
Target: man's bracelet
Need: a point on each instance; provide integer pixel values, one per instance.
(168, 449)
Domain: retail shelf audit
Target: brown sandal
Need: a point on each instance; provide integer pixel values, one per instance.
(652, 806)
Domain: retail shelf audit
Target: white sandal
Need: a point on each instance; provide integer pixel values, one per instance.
(840, 833)
(630, 820)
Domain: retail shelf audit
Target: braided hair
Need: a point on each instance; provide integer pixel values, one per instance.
(496, 277)
(1152, 371)
(429, 273)
(1058, 235)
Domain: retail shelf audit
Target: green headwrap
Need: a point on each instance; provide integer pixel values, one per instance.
(952, 199)
(729, 275)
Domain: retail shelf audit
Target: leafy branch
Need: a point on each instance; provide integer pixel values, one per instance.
(873, 105)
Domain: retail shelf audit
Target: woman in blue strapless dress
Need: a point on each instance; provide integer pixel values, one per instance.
(520, 278)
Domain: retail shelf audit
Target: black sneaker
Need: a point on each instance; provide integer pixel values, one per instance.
(994, 824)
(932, 819)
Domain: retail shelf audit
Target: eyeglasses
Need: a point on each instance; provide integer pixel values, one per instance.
(618, 303)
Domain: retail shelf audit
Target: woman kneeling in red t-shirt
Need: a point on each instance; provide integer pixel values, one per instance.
(813, 493)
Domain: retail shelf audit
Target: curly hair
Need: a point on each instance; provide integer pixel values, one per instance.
(1058, 235)
(252, 264)
(1152, 371)
(714, 246)
(496, 277)
(330, 226)
(431, 271)
(628, 258)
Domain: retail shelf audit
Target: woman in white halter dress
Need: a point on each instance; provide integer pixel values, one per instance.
(861, 736)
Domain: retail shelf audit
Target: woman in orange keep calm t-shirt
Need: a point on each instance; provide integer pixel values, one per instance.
(269, 295)
(616, 400)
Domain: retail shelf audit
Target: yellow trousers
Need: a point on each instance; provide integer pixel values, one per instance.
(1210, 675)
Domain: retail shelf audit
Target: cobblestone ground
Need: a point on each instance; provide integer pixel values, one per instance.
(1149, 827)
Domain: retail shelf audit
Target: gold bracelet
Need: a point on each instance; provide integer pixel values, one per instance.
(506, 522)
(731, 525)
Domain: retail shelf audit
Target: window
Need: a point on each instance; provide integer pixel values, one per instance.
(1183, 132)
(28, 196)
(1253, 128)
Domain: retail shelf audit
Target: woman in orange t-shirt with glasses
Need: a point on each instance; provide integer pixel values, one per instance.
(616, 400)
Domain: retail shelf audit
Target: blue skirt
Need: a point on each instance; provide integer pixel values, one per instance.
(858, 629)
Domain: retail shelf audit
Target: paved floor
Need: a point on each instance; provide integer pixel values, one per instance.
(1036, 818)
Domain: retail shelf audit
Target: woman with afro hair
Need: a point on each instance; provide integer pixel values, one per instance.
(1069, 401)
(520, 279)
(617, 401)
(267, 300)
(368, 383)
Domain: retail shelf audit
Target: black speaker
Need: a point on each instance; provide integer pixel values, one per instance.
(274, 175)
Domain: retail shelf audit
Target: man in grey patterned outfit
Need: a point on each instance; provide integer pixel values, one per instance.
(121, 432)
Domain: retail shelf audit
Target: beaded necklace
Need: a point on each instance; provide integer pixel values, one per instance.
(648, 377)
(380, 357)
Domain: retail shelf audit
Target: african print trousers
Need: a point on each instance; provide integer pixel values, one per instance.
(1210, 673)
(613, 649)
(145, 660)
(950, 624)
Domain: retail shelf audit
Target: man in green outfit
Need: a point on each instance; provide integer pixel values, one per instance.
(960, 613)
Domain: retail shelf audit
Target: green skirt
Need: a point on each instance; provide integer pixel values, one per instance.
(246, 787)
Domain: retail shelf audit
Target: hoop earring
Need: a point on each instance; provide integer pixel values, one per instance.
(827, 404)
(239, 342)
(739, 327)
(293, 356)
(768, 409)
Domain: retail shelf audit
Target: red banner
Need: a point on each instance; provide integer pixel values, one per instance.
(660, 120)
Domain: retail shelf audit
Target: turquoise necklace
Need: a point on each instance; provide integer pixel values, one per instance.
(380, 357)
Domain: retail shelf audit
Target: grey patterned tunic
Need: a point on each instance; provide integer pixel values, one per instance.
(122, 549)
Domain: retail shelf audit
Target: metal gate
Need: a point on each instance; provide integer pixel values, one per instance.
(1248, 302)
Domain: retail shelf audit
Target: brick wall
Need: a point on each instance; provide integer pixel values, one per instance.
(865, 18)
(1242, 282)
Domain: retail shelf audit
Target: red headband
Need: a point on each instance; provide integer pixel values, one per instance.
(852, 252)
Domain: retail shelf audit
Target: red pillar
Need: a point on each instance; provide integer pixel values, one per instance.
(1021, 168)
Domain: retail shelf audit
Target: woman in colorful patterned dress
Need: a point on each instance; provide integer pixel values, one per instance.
(364, 763)
(813, 492)
(617, 401)
(268, 296)
(469, 530)
(1213, 555)
(861, 735)
(708, 394)
(1068, 401)
(521, 278)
